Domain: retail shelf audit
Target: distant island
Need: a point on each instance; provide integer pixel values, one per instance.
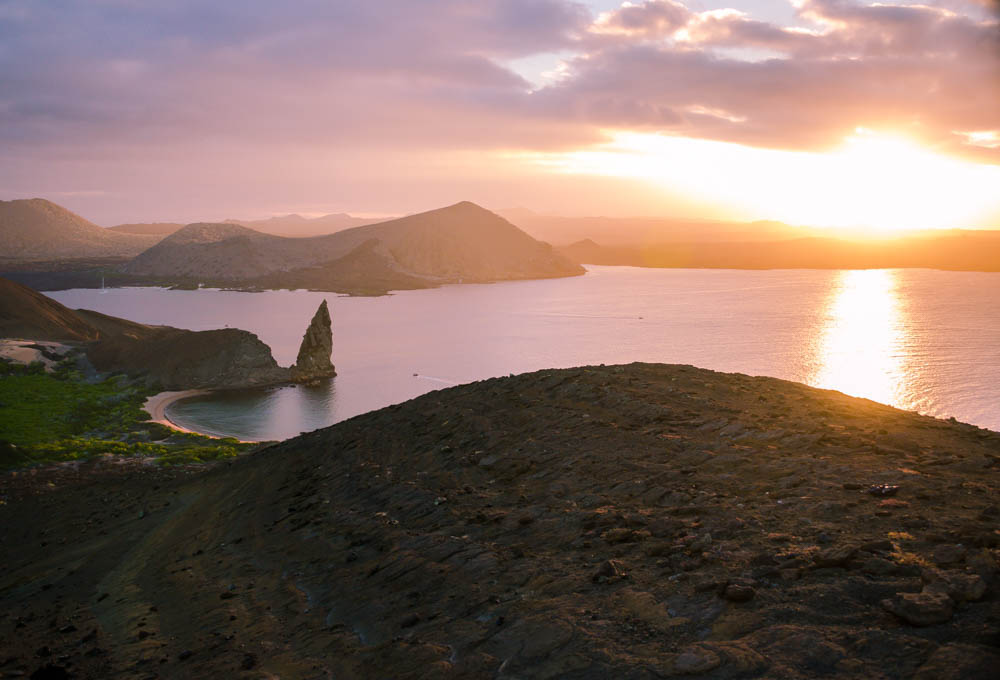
(764, 244)
(951, 250)
(462, 243)
(48, 247)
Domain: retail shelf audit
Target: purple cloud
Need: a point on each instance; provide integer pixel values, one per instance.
(143, 82)
(920, 70)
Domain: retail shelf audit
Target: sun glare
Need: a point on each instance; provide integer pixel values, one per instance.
(860, 351)
(874, 180)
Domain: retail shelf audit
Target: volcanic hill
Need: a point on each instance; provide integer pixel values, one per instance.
(36, 229)
(298, 226)
(641, 521)
(155, 228)
(283, 225)
(460, 243)
(29, 315)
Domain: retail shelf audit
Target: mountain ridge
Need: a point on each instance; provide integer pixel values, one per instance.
(38, 229)
(291, 225)
(461, 242)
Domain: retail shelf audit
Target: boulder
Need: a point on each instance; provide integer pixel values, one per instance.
(696, 660)
(921, 609)
(958, 661)
(959, 586)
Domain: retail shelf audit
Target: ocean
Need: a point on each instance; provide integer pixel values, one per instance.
(918, 339)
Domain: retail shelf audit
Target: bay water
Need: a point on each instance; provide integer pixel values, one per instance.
(923, 340)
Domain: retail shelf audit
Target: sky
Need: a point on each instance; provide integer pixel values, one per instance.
(818, 112)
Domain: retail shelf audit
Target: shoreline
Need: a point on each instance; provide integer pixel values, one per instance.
(156, 406)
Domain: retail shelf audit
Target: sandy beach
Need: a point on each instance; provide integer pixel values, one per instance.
(156, 407)
(27, 351)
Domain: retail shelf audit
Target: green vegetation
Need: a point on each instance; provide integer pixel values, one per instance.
(51, 417)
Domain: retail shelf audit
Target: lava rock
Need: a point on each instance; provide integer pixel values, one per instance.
(611, 570)
(921, 609)
(883, 489)
(739, 592)
(956, 661)
(50, 672)
(957, 585)
(947, 555)
(696, 660)
(837, 556)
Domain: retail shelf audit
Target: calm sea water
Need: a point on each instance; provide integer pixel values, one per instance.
(918, 339)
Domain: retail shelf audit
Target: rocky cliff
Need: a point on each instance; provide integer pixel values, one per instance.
(181, 359)
(175, 358)
(313, 361)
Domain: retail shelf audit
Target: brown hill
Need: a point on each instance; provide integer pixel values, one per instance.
(150, 228)
(36, 229)
(641, 521)
(369, 268)
(465, 242)
(294, 226)
(230, 252)
(297, 226)
(29, 315)
(462, 242)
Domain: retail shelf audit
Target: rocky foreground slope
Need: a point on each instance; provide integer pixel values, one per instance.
(642, 521)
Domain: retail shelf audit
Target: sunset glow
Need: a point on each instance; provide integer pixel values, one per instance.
(821, 113)
(505, 338)
(860, 352)
(882, 181)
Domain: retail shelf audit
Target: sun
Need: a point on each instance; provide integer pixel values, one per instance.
(877, 180)
(889, 181)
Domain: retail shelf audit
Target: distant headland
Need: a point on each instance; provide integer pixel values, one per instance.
(172, 358)
(48, 247)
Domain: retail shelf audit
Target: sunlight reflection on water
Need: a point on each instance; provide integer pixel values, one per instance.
(862, 347)
(917, 339)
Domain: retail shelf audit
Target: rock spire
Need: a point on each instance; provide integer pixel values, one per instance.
(314, 353)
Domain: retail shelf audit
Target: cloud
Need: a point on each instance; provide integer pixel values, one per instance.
(306, 70)
(919, 70)
(142, 82)
(650, 19)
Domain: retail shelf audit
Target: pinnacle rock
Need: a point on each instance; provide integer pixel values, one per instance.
(313, 361)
